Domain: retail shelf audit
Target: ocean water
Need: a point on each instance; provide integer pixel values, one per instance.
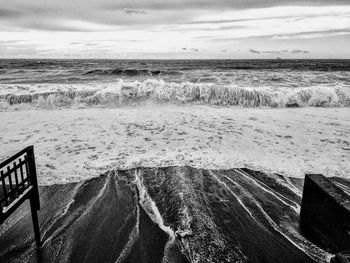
(113, 83)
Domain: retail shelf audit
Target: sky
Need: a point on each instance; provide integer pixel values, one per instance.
(151, 29)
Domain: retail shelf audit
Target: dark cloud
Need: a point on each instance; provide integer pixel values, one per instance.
(275, 51)
(254, 51)
(223, 50)
(298, 51)
(271, 52)
(8, 13)
(295, 51)
(190, 49)
(131, 11)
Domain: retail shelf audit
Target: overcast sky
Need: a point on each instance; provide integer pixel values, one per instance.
(174, 29)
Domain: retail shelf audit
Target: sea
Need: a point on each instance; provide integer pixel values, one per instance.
(52, 83)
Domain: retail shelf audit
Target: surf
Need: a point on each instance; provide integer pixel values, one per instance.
(133, 93)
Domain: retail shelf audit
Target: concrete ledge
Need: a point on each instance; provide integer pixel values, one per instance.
(325, 213)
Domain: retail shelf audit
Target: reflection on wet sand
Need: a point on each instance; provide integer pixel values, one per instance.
(170, 214)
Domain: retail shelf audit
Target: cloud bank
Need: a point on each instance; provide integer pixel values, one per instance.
(284, 51)
(215, 28)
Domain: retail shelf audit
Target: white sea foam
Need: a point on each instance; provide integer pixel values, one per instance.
(51, 96)
(73, 145)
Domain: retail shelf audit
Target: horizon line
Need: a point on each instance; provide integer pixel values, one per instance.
(175, 58)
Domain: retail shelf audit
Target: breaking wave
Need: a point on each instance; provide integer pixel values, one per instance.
(159, 91)
(128, 72)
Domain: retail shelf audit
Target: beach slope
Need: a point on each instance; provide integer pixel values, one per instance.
(170, 214)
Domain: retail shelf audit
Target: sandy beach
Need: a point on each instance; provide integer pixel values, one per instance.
(77, 144)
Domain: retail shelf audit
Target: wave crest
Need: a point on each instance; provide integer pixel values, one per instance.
(130, 72)
(159, 91)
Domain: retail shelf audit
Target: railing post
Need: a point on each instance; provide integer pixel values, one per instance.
(34, 198)
(35, 223)
(33, 177)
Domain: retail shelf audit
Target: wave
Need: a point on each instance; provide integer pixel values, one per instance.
(158, 91)
(128, 72)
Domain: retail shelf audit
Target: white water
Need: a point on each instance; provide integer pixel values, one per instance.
(52, 96)
(73, 145)
(150, 207)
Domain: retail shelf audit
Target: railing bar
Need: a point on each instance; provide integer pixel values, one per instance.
(21, 186)
(27, 168)
(10, 180)
(13, 203)
(23, 183)
(12, 169)
(21, 169)
(16, 178)
(4, 186)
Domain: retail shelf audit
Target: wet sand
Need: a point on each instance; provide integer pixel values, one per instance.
(174, 214)
(94, 221)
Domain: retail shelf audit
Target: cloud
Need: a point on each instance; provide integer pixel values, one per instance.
(225, 21)
(3, 42)
(209, 27)
(8, 13)
(36, 14)
(295, 51)
(254, 51)
(190, 49)
(210, 4)
(285, 36)
(275, 51)
(90, 44)
(298, 51)
(271, 52)
(313, 34)
(131, 11)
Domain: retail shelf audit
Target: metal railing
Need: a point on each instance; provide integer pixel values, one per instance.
(18, 182)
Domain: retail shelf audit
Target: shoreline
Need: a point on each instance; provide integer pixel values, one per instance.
(73, 145)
